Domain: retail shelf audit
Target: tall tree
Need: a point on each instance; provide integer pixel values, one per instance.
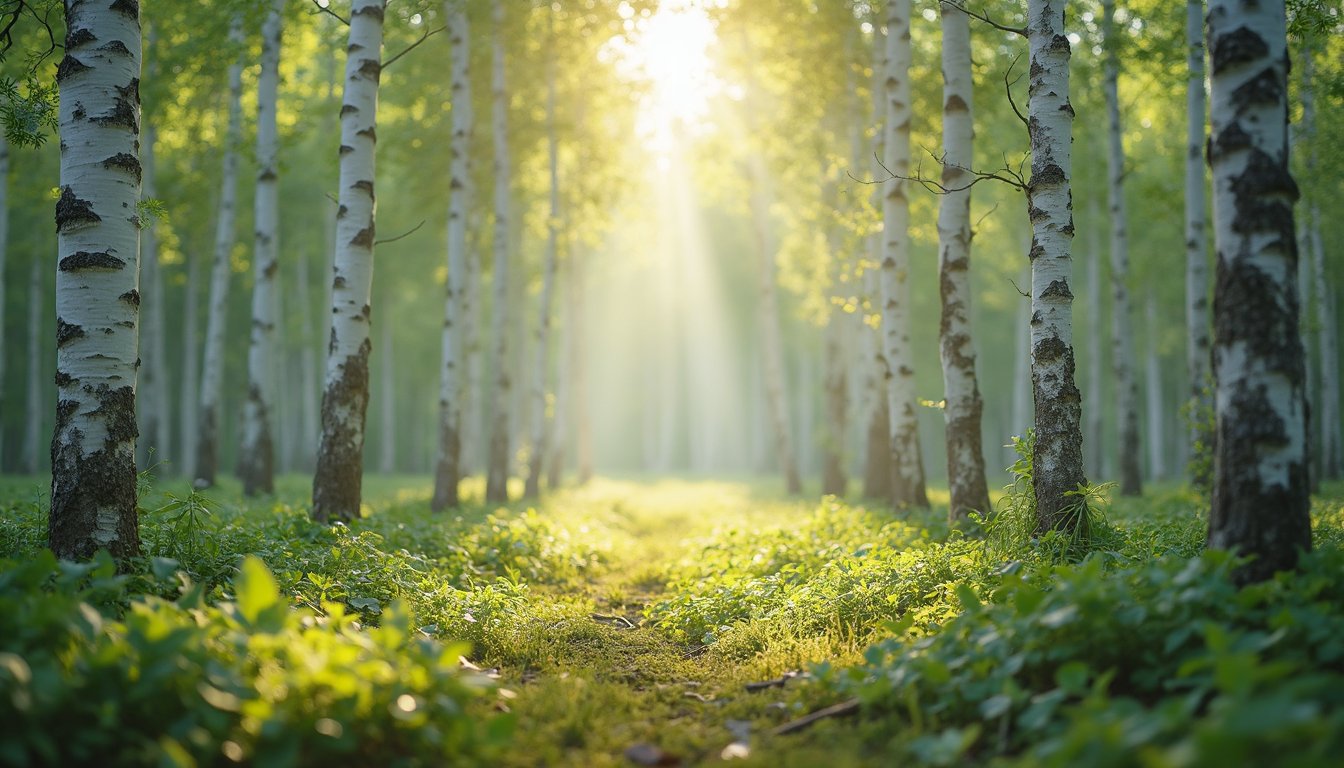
(1156, 410)
(337, 483)
(1260, 493)
(497, 469)
(963, 407)
(256, 465)
(153, 389)
(906, 461)
(448, 467)
(216, 324)
(191, 371)
(1058, 454)
(1122, 333)
(1096, 408)
(1196, 245)
(32, 430)
(93, 501)
(877, 447)
(4, 248)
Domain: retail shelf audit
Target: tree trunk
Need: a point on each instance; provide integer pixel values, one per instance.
(1023, 416)
(1157, 461)
(1122, 334)
(583, 435)
(834, 480)
(1058, 455)
(256, 465)
(153, 388)
(216, 324)
(93, 501)
(1196, 248)
(448, 464)
(877, 453)
(555, 461)
(338, 479)
(32, 440)
(387, 398)
(963, 407)
(4, 247)
(1260, 494)
(906, 461)
(497, 477)
(540, 375)
(1095, 435)
(308, 340)
(191, 372)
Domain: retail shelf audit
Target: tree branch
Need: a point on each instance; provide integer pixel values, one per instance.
(327, 10)
(413, 46)
(407, 233)
(984, 16)
(1006, 175)
(1008, 89)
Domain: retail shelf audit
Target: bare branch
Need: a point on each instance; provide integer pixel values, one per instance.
(1017, 288)
(1008, 88)
(407, 233)
(981, 220)
(984, 16)
(327, 10)
(1006, 175)
(412, 46)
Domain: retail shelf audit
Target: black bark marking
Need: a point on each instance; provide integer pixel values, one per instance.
(337, 480)
(77, 37)
(125, 108)
(64, 379)
(81, 485)
(73, 213)
(1266, 88)
(955, 103)
(346, 149)
(339, 282)
(115, 46)
(131, 297)
(126, 162)
(364, 238)
(348, 109)
(371, 69)
(1057, 289)
(373, 9)
(365, 185)
(370, 132)
(67, 332)
(129, 8)
(1240, 46)
(81, 260)
(267, 174)
(1050, 173)
(269, 271)
(69, 66)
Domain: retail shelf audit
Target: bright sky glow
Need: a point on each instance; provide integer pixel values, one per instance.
(669, 53)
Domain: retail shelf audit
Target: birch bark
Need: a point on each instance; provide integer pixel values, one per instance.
(542, 334)
(93, 500)
(337, 482)
(256, 465)
(191, 372)
(877, 453)
(448, 465)
(1260, 493)
(1157, 460)
(963, 407)
(32, 430)
(497, 470)
(1058, 454)
(1196, 241)
(1095, 435)
(153, 389)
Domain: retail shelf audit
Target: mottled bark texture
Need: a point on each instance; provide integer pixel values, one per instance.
(497, 468)
(345, 399)
(963, 407)
(448, 464)
(541, 338)
(1260, 492)
(216, 324)
(907, 466)
(1058, 455)
(93, 501)
(256, 456)
(1196, 243)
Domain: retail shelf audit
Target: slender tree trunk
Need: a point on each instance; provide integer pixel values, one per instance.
(191, 372)
(93, 502)
(540, 427)
(1260, 494)
(452, 386)
(963, 407)
(555, 461)
(1157, 460)
(308, 421)
(387, 397)
(1196, 247)
(583, 435)
(216, 324)
(907, 463)
(4, 247)
(256, 465)
(1122, 334)
(497, 471)
(33, 423)
(1058, 456)
(153, 388)
(877, 454)
(1095, 435)
(834, 480)
(340, 458)
(772, 346)
(1023, 415)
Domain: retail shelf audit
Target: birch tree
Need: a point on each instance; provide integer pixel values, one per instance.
(153, 389)
(1260, 494)
(1122, 332)
(256, 466)
(963, 407)
(448, 466)
(877, 453)
(32, 428)
(93, 498)
(338, 479)
(1196, 246)
(497, 468)
(1057, 457)
(542, 333)
(1157, 462)
(191, 371)
(216, 324)
(1095, 412)
(4, 248)
(907, 470)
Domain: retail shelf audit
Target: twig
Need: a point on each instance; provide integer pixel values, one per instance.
(984, 16)
(1006, 175)
(412, 46)
(835, 710)
(1008, 88)
(327, 10)
(981, 220)
(403, 234)
(777, 682)
(1018, 288)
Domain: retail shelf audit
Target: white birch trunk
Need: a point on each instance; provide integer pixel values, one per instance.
(963, 406)
(191, 372)
(1157, 460)
(583, 435)
(1022, 406)
(1122, 333)
(152, 400)
(542, 334)
(1094, 406)
(1261, 484)
(4, 248)
(337, 483)
(93, 501)
(907, 473)
(32, 429)
(216, 324)
(877, 453)
(1196, 245)
(256, 460)
(308, 424)
(555, 459)
(497, 470)
(452, 385)
(1058, 456)
(387, 453)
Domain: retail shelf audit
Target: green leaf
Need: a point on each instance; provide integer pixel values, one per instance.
(258, 595)
(995, 706)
